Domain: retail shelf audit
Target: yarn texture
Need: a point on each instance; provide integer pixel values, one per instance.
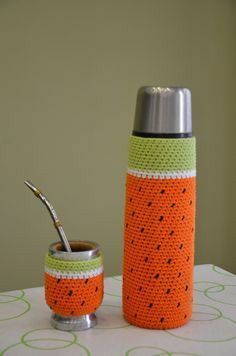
(73, 288)
(159, 232)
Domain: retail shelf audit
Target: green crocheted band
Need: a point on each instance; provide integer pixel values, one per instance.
(72, 266)
(161, 155)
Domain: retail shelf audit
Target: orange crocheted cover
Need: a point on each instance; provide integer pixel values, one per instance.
(159, 238)
(73, 288)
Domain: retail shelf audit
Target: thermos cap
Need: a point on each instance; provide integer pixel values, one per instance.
(163, 110)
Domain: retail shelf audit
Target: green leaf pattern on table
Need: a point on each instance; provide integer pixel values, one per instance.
(7, 312)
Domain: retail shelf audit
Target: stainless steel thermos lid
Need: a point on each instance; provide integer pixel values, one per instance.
(163, 110)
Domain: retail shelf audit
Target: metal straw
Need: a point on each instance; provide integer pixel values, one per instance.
(53, 214)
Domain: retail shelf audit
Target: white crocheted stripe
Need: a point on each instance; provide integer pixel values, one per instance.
(73, 275)
(162, 175)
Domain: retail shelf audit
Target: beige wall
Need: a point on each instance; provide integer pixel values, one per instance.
(69, 72)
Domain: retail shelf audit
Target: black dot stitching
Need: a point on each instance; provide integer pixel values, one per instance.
(140, 288)
(184, 190)
(58, 281)
(190, 203)
(55, 301)
(132, 242)
(146, 259)
(72, 312)
(172, 205)
(158, 247)
(126, 225)
(96, 289)
(185, 316)
(150, 203)
(130, 199)
(169, 261)
(183, 217)
(131, 270)
(179, 274)
(150, 305)
(157, 275)
(186, 288)
(188, 258)
(162, 191)
(127, 297)
(161, 218)
(133, 213)
(82, 302)
(86, 281)
(140, 189)
(142, 229)
(172, 233)
(70, 293)
(135, 315)
(161, 320)
(178, 305)
(181, 246)
(168, 291)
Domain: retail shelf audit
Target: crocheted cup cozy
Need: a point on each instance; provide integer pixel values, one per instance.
(73, 287)
(159, 232)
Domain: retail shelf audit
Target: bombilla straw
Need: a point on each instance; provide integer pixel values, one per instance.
(53, 214)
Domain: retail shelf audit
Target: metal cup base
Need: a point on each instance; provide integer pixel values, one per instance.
(73, 323)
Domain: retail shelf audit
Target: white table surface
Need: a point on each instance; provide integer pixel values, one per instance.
(25, 328)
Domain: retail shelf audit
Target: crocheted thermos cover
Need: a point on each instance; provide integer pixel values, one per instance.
(159, 232)
(73, 288)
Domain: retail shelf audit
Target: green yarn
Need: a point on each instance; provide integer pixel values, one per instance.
(161, 155)
(72, 266)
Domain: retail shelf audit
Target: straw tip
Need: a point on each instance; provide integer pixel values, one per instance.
(35, 190)
(28, 184)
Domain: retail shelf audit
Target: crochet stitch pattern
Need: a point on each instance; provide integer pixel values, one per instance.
(73, 288)
(159, 232)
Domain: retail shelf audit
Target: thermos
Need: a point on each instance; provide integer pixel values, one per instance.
(160, 211)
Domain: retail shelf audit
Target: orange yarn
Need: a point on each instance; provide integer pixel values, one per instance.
(159, 251)
(73, 297)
